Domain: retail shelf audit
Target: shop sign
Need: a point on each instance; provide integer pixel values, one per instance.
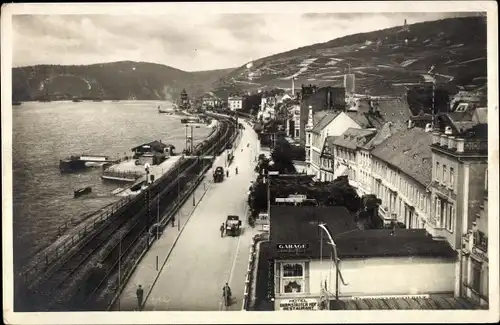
(298, 304)
(298, 198)
(479, 255)
(291, 247)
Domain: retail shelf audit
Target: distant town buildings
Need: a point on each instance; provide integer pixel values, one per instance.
(235, 103)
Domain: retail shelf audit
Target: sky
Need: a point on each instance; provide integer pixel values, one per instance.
(193, 42)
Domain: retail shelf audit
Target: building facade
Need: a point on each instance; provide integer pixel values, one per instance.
(235, 103)
(401, 168)
(474, 264)
(346, 152)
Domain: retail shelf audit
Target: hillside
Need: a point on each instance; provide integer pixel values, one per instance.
(383, 61)
(117, 80)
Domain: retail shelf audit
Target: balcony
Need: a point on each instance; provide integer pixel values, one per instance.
(459, 145)
(480, 241)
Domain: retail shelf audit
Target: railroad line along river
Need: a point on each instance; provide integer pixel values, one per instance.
(44, 133)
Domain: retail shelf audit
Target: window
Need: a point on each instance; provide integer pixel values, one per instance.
(476, 276)
(449, 217)
(293, 278)
(452, 177)
(297, 132)
(438, 210)
(445, 175)
(437, 170)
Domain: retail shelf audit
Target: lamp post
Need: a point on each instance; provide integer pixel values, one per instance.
(338, 274)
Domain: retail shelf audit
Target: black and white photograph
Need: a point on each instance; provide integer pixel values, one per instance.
(252, 159)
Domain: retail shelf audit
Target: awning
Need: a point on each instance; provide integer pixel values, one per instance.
(340, 171)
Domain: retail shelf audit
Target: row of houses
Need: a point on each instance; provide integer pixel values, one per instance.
(233, 102)
(428, 176)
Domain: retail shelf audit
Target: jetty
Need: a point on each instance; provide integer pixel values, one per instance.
(75, 163)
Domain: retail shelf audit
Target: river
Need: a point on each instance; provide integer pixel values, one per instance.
(43, 133)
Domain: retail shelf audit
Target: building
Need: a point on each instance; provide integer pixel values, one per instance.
(235, 103)
(474, 264)
(208, 102)
(184, 99)
(293, 122)
(402, 175)
(364, 159)
(331, 124)
(460, 163)
(375, 263)
(345, 148)
(327, 159)
(154, 152)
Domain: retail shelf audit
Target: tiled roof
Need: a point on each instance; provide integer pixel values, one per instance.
(157, 145)
(393, 110)
(318, 115)
(360, 118)
(296, 224)
(387, 130)
(291, 224)
(352, 138)
(408, 150)
(327, 119)
(431, 303)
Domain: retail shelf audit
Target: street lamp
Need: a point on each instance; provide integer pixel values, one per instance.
(338, 274)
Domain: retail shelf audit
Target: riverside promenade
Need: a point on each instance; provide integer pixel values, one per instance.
(187, 267)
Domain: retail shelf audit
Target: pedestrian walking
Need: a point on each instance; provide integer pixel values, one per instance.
(236, 170)
(227, 173)
(173, 221)
(140, 295)
(222, 230)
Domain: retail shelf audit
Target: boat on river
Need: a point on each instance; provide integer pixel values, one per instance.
(82, 191)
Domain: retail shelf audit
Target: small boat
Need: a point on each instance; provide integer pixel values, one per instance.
(82, 191)
(16, 103)
(76, 100)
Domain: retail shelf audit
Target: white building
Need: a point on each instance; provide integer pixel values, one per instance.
(402, 175)
(330, 124)
(235, 103)
(373, 263)
(345, 151)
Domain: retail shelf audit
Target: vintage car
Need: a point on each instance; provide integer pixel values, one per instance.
(233, 226)
(218, 174)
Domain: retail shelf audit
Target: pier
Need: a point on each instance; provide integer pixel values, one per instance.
(74, 163)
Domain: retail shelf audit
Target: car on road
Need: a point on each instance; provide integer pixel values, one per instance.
(233, 225)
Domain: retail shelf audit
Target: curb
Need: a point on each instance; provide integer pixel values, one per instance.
(175, 242)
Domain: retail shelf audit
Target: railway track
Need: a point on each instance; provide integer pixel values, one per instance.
(79, 277)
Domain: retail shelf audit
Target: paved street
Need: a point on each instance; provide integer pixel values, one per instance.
(201, 262)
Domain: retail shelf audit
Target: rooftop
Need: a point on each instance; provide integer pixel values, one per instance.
(408, 150)
(352, 138)
(292, 224)
(431, 303)
(157, 145)
(387, 130)
(327, 119)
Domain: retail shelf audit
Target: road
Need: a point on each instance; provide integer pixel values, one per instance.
(201, 262)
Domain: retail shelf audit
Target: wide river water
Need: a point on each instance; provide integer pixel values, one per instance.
(43, 133)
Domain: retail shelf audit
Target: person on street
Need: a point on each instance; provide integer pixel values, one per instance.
(140, 294)
(227, 173)
(236, 170)
(226, 293)
(173, 221)
(222, 230)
